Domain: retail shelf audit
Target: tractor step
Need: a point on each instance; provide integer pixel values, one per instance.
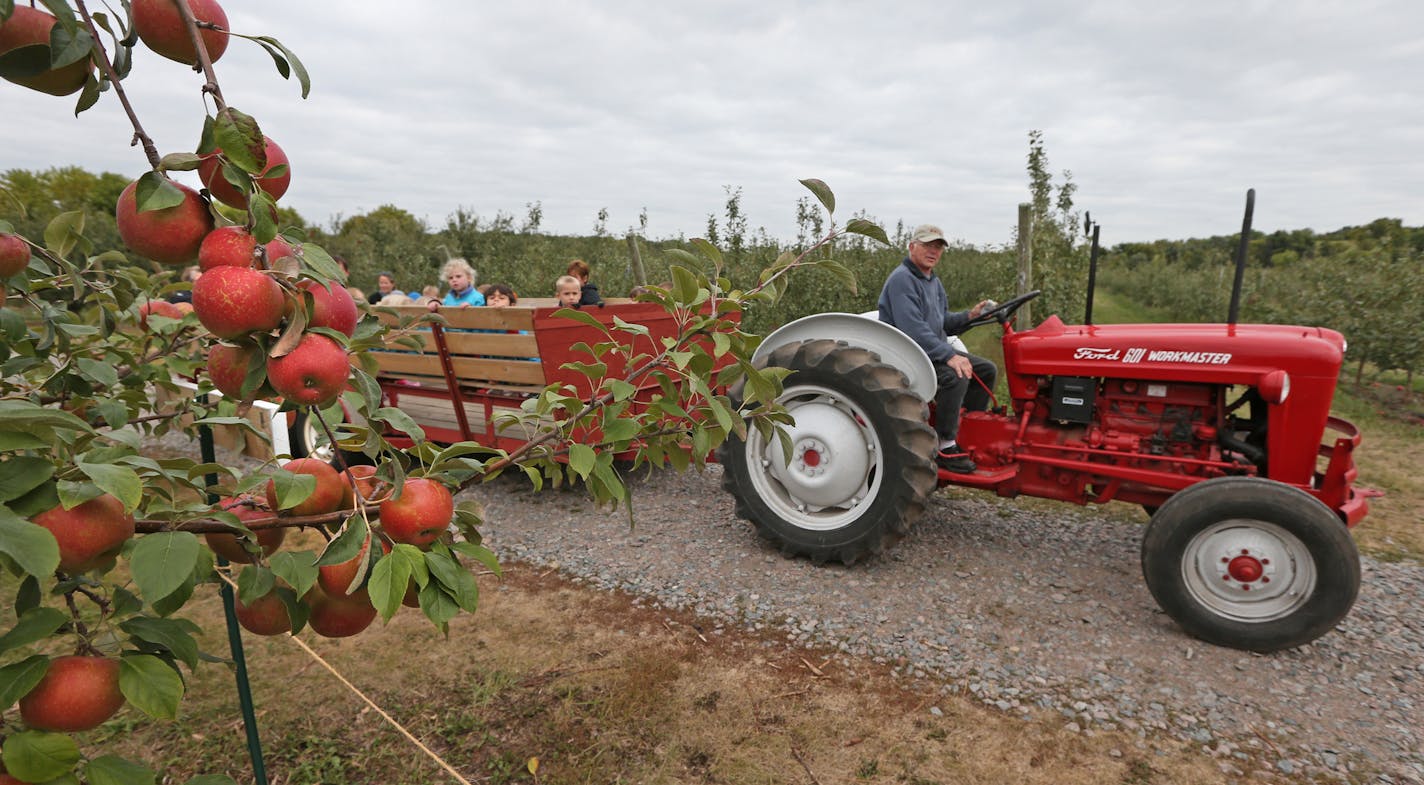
(984, 477)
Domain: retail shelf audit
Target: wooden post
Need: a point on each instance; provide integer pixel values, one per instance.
(640, 276)
(1025, 278)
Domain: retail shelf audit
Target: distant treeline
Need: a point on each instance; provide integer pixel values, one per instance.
(1367, 281)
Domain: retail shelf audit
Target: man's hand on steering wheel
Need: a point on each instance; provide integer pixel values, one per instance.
(1001, 312)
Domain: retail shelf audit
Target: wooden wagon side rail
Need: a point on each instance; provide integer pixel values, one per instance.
(484, 362)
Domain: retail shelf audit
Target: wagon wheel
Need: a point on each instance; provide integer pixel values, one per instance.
(1250, 563)
(307, 438)
(862, 461)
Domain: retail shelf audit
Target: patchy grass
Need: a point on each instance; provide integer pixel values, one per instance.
(601, 691)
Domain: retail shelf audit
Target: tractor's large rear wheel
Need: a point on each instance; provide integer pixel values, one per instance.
(861, 463)
(1250, 563)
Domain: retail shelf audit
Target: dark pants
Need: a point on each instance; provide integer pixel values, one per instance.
(955, 392)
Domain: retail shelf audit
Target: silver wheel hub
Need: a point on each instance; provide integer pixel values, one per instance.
(834, 467)
(315, 440)
(1248, 570)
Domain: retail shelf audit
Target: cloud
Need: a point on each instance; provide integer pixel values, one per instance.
(915, 111)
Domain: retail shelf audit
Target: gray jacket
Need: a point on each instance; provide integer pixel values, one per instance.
(917, 305)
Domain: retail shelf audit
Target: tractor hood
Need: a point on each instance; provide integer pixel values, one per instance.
(1213, 353)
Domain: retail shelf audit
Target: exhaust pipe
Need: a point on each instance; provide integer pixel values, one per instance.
(1235, 309)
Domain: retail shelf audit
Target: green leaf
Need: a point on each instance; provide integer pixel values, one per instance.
(171, 634)
(263, 209)
(18, 678)
(389, 580)
(27, 597)
(64, 232)
(619, 430)
(480, 554)
(32, 547)
(240, 138)
(581, 459)
(297, 68)
(822, 192)
(400, 421)
(22, 474)
(119, 481)
(292, 489)
(348, 543)
(34, 625)
(680, 255)
(161, 562)
(842, 273)
(113, 770)
(25, 61)
(437, 604)
(320, 262)
(254, 583)
(66, 47)
(455, 580)
(297, 568)
(36, 756)
(180, 162)
(167, 606)
(44, 497)
(62, 13)
(156, 192)
(708, 250)
(211, 779)
(584, 317)
(150, 685)
(868, 229)
(684, 284)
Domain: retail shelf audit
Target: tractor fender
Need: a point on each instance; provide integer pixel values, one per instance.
(866, 331)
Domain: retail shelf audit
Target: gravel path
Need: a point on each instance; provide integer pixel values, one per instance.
(1024, 610)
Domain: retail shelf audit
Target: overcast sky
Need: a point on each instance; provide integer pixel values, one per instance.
(918, 111)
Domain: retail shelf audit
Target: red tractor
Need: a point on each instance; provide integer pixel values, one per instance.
(1218, 430)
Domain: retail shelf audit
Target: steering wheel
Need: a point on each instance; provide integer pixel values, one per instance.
(1004, 311)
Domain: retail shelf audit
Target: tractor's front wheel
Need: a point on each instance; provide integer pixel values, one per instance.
(1250, 563)
(861, 463)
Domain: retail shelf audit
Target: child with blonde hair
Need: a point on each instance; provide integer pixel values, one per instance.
(588, 291)
(568, 290)
(461, 277)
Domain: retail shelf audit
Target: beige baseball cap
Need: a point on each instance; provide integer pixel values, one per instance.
(928, 233)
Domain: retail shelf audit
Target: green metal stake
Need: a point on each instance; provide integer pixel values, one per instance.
(234, 633)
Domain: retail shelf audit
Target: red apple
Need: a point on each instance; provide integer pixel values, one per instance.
(332, 307)
(420, 515)
(236, 301)
(161, 28)
(278, 249)
(28, 27)
(267, 615)
(329, 488)
(227, 367)
(364, 478)
(210, 172)
(157, 308)
(90, 534)
(231, 246)
(76, 694)
(336, 578)
(312, 374)
(14, 251)
(339, 617)
(168, 236)
(228, 546)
